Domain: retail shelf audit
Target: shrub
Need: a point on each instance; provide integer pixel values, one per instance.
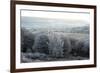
(24, 58)
(27, 40)
(85, 48)
(81, 48)
(41, 43)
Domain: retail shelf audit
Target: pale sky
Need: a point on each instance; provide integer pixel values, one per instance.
(58, 15)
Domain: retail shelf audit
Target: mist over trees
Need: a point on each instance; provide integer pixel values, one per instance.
(52, 45)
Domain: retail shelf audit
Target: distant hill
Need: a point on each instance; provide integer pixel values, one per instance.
(84, 29)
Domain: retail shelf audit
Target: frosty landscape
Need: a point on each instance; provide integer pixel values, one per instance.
(45, 39)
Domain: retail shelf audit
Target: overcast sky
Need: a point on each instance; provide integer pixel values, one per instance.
(42, 19)
(68, 15)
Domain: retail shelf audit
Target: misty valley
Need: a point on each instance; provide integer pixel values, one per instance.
(53, 40)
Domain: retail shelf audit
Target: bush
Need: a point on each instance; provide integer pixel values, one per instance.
(85, 48)
(24, 58)
(81, 48)
(41, 43)
(27, 40)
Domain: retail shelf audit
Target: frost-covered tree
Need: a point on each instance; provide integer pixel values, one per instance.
(55, 45)
(41, 43)
(67, 46)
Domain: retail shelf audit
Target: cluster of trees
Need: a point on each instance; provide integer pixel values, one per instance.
(48, 46)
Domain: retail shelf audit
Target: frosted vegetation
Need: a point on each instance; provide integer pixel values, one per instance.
(54, 44)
